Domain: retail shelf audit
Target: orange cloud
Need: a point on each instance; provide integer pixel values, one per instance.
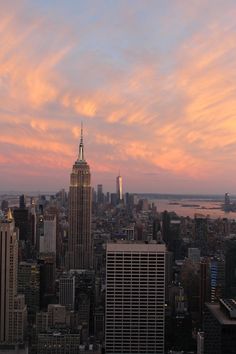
(38, 144)
(172, 112)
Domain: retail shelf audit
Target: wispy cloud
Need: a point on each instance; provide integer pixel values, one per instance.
(156, 87)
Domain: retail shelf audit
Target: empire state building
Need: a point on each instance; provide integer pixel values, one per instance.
(80, 243)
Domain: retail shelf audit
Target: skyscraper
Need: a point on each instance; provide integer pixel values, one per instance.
(230, 268)
(119, 189)
(48, 239)
(67, 291)
(13, 312)
(21, 217)
(135, 298)
(29, 285)
(100, 195)
(219, 325)
(80, 255)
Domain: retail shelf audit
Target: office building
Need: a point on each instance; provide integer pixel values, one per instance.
(4, 205)
(204, 286)
(100, 195)
(230, 268)
(29, 285)
(220, 327)
(114, 199)
(80, 255)
(56, 315)
(47, 263)
(166, 227)
(227, 205)
(201, 233)
(13, 312)
(217, 278)
(21, 218)
(67, 291)
(19, 348)
(59, 342)
(200, 343)
(194, 254)
(135, 298)
(48, 239)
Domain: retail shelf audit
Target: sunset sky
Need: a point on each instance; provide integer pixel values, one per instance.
(154, 83)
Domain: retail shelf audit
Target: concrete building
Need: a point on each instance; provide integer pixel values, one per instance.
(194, 254)
(219, 326)
(47, 264)
(20, 348)
(100, 195)
(201, 233)
(56, 315)
(67, 291)
(200, 343)
(13, 312)
(135, 298)
(29, 285)
(230, 268)
(58, 342)
(48, 239)
(21, 218)
(217, 278)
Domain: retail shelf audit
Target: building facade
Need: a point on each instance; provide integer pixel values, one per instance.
(29, 285)
(13, 312)
(220, 327)
(80, 255)
(135, 298)
(67, 291)
(56, 342)
(48, 239)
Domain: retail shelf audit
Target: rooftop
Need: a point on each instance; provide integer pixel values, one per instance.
(218, 312)
(128, 246)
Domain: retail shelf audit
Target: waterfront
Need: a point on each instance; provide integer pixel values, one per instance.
(190, 207)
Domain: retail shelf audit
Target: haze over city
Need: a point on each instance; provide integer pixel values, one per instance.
(153, 82)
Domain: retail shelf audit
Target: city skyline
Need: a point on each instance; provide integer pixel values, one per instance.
(154, 85)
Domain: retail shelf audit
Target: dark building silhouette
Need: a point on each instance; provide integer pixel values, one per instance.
(22, 219)
(204, 286)
(166, 227)
(29, 285)
(201, 230)
(230, 269)
(47, 265)
(4, 205)
(22, 202)
(114, 199)
(100, 195)
(220, 327)
(156, 228)
(217, 278)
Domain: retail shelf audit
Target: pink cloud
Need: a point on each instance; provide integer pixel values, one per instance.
(175, 117)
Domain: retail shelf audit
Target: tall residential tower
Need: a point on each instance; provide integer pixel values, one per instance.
(80, 255)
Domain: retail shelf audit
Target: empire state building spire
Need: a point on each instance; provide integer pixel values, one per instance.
(81, 145)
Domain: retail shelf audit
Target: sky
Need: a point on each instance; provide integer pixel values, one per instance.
(154, 83)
